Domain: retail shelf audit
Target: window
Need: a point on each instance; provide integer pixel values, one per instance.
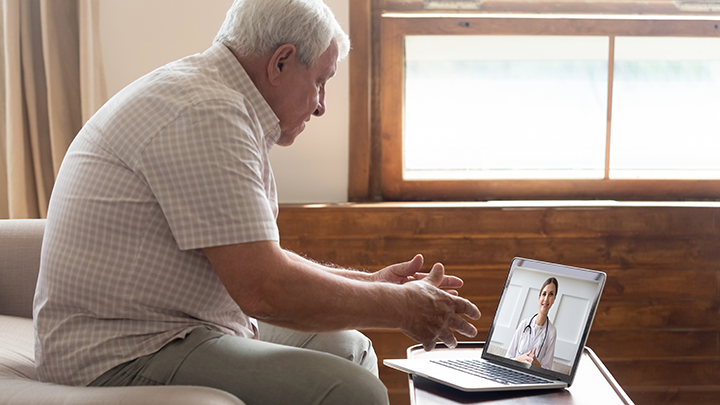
(545, 106)
(504, 107)
(665, 94)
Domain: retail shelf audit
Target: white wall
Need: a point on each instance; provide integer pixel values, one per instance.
(138, 36)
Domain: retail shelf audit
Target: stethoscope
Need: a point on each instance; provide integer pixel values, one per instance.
(529, 329)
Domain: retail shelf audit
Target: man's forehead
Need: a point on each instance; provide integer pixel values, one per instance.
(331, 56)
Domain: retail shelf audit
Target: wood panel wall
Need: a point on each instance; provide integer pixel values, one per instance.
(658, 324)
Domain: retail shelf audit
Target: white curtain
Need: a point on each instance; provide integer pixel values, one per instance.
(52, 82)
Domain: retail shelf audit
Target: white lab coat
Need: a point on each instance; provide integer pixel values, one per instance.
(521, 344)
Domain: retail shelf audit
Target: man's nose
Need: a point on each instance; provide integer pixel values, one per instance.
(320, 110)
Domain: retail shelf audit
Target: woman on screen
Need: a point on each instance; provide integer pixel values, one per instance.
(534, 339)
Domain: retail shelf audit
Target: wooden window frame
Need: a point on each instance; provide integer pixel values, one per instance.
(376, 68)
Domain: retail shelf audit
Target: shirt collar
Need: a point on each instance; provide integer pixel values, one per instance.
(236, 78)
(537, 328)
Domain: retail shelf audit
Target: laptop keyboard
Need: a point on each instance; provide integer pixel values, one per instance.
(491, 372)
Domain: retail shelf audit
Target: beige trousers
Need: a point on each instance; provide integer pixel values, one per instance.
(282, 367)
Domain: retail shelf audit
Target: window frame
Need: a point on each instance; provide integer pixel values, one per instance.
(376, 139)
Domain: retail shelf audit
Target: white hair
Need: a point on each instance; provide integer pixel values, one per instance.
(254, 27)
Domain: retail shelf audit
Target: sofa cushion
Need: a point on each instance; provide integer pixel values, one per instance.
(17, 353)
(19, 385)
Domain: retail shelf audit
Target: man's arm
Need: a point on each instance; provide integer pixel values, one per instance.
(270, 284)
(349, 273)
(400, 273)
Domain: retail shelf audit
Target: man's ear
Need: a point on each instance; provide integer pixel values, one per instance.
(278, 61)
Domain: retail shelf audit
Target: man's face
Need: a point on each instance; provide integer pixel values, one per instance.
(303, 93)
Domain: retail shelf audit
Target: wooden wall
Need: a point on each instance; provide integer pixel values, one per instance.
(657, 328)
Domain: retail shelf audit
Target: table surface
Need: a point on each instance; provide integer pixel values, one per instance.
(593, 384)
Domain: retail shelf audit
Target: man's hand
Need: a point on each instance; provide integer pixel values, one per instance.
(402, 273)
(433, 313)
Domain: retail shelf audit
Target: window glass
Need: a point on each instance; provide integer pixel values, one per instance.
(505, 107)
(666, 108)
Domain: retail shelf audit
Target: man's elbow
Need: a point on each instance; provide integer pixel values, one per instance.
(257, 305)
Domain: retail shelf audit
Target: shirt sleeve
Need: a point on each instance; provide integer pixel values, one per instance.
(207, 170)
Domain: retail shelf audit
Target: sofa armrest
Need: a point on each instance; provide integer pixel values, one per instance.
(20, 244)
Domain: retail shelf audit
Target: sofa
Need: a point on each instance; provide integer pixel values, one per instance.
(20, 243)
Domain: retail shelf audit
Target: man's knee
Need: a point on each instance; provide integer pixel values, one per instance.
(359, 388)
(351, 345)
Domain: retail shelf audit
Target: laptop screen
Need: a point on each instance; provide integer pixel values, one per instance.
(544, 317)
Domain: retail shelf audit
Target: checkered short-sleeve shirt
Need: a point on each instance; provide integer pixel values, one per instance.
(175, 162)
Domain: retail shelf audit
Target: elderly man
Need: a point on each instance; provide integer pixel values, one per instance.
(161, 249)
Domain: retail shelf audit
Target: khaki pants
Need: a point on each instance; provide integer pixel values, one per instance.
(283, 367)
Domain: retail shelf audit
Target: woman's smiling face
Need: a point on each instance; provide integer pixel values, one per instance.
(547, 298)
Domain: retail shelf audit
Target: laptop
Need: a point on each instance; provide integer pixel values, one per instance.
(557, 345)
